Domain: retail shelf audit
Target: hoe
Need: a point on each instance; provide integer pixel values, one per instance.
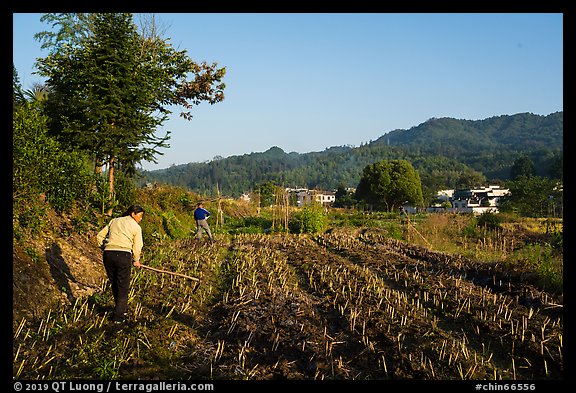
(197, 280)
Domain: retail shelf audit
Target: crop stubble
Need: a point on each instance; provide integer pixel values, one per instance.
(361, 306)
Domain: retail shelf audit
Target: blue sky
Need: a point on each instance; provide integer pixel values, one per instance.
(305, 82)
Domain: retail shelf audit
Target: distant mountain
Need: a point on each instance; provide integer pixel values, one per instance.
(523, 131)
(447, 152)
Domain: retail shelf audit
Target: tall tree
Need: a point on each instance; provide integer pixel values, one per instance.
(112, 87)
(532, 196)
(17, 94)
(266, 191)
(523, 167)
(386, 185)
(556, 167)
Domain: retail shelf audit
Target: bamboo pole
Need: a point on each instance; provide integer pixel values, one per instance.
(168, 272)
(413, 227)
(220, 213)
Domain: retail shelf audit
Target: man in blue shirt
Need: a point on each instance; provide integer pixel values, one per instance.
(201, 215)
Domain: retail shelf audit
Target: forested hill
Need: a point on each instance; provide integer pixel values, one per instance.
(454, 137)
(446, 152)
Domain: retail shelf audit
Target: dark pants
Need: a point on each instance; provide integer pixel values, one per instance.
(118, 265)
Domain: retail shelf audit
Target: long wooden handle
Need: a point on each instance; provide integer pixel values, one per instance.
(168, 272)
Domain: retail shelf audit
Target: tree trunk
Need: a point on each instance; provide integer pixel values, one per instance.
(110, 186)
(97, 171)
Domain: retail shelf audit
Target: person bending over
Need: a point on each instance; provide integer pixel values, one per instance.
(121, 240)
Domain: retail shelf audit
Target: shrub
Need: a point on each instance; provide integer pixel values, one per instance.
(124, 191)
(173, 227)
(395, 232)
(541, 259)
(489, 221)
(185, 199)
(41, 166)
(311, 219)
(470, 230)
(250, 224)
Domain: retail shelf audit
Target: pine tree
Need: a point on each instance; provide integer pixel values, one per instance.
(113, 86)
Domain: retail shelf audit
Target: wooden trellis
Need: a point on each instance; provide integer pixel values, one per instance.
(220, 212)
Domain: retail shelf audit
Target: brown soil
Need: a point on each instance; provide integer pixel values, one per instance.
(348, 304)
(53, 271)
(368, 307)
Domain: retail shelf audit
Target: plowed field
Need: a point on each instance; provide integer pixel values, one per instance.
(348, 304)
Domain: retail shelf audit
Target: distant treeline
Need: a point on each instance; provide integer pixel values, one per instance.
(447, 153)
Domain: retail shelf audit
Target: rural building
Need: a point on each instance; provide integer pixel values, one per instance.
(470, 200)
(305, 196)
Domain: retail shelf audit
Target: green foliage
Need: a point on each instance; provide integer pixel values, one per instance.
(312, 218)
(446, 204)
(451, 137)
(489, 220)
(128, 81)
(32, 253)
(17, 93)
(124, 191)
(533, 196)
(373, 219)
(557, 240)
(266, 191)
(386, 185)
(99, 199)
(167, 198)
(541, 259)
(83, 221)
(251, 224)
(471, 230)
(186, 201)
(169, 213)
(153, 229)
(556, 166)
(395, 231)
(522, 167)
(40, 166)
(344, 198)
(32, 151)
(173, 227)
(29, 215)
(68, 181)
(106, 368)
(106, 77)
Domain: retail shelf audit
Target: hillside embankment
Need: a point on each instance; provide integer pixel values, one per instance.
(54, 268)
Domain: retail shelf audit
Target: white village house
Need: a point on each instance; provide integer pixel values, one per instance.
(305, 196)
(473, 200)
(308, 196)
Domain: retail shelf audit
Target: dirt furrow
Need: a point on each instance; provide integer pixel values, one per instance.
(485, 324)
